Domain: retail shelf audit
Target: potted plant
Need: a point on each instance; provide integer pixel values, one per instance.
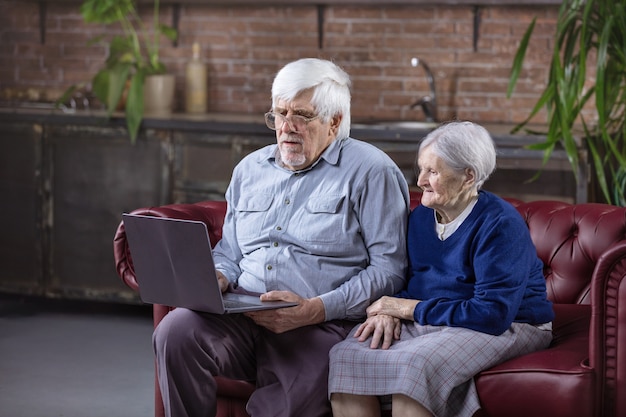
(591, 32)
(133, 58)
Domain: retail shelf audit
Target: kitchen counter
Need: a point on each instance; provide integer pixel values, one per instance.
(47, 114)
(369, 130)
(243, 123)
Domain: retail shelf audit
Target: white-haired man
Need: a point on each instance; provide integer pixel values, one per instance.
(318, 218)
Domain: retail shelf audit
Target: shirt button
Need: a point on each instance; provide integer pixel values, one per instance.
(269, 267)
(275, 244)
(287, 201)
(279, 228)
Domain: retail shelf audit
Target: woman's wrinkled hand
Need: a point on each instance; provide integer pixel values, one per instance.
(401, 308)
(383, 329)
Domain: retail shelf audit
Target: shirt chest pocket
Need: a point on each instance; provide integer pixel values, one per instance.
(321, 220)
(251, 214)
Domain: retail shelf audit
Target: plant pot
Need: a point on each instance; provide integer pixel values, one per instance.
(158, 94)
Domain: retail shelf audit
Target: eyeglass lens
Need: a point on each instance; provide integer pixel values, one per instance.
(276, 121)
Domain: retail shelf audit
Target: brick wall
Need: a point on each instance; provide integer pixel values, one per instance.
(245, 46)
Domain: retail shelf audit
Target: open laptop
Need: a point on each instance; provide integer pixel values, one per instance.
(174, 266)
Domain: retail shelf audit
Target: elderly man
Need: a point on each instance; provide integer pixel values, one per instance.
(319, 219)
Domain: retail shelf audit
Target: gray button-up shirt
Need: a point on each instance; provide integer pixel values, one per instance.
(336, 230)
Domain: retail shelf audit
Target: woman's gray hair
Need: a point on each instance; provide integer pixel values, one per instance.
(464, 145)
(331, 84)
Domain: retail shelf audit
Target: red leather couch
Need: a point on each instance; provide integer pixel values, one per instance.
(583, 372)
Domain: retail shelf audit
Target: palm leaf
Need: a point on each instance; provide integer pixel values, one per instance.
(519, 58)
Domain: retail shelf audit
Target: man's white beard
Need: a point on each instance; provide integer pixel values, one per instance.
(292, 159)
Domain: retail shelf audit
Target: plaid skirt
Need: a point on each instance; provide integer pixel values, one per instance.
(433, 365)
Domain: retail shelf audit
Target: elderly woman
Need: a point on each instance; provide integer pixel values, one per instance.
(475, 296)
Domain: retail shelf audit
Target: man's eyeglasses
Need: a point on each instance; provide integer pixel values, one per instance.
(275, 121)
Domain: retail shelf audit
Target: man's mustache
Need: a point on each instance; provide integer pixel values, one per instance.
(291, 138)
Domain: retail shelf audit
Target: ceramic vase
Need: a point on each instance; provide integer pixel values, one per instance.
(158, 94)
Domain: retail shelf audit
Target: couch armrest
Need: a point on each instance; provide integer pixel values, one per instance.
(210, 212)
(608, 327)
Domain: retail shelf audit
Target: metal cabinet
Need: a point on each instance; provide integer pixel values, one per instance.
(21, 236)
(64, 189)
(94, 175)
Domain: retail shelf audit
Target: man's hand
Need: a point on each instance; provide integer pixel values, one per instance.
(383, 328)
(223, 281)
(308, 311)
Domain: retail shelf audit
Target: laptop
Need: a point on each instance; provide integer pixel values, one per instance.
(174, 266)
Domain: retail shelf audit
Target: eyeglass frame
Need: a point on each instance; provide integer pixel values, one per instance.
(305, 120)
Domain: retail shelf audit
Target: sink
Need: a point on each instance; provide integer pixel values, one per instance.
(399, 124)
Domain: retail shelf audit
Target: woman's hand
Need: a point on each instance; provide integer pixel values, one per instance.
(383, 329)
(401, 308)
(383, 321)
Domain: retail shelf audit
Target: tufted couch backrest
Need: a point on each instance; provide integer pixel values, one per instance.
(570, 238)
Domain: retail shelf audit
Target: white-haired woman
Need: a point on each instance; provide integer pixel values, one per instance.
(475, 294)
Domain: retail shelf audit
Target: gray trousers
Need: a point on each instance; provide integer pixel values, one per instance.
(290, 369)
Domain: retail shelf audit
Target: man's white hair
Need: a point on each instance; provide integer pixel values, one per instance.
(330, 84)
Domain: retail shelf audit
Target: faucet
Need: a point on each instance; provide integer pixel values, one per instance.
(428, 103)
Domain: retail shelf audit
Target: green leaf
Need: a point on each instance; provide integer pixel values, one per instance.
(119, 49)
(599, 170)
(118, 75)
(601, 66)
(519, 59)
(134, 105)
(541, 103)
(168, 31)
(67, 94)
(619, 190)
(541, 146)
(100, 85)
(105, 11)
